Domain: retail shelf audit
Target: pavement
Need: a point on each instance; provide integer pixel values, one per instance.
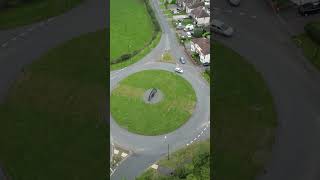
(262, 37)
(21, 46)
(148, 149)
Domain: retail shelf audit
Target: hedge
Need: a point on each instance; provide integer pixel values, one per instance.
(313, 31)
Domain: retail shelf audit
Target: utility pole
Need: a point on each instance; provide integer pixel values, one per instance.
(168, 153)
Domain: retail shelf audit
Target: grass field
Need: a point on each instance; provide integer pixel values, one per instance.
(165, 116)
(131, 27)
(26, 13)
(184, 162)
(244, 116)
(310, 49)
(52, 122)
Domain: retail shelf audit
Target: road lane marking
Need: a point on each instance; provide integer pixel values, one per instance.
(4, 45)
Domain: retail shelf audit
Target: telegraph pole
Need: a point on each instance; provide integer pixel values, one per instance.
(168, 153)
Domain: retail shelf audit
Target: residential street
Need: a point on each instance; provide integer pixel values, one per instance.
(264, 39)
(148, 149)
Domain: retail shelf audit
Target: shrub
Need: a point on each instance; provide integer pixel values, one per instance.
(197, 32)
(313, 31)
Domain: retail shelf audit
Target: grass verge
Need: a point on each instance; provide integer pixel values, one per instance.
(26, 13)
(192, 162)
(244, 116)
(52, 122)
(165, 116)
(137, 57)
(310, 49)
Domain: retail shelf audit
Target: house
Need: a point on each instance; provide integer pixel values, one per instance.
(201, 46)
(184, 3)
(190, 7)
(200, 16)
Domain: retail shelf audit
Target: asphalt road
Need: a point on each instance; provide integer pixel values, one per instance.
(263, 39)
(21, 46)
(148, 149)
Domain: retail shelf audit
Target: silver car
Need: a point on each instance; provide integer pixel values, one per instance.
(221, 28)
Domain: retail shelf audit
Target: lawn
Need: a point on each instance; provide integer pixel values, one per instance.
(309, 42)
(244, 117)
(18, 14)
(191, 162)
(206, 75)
(52, 122)
(170, 113)
(131, 28)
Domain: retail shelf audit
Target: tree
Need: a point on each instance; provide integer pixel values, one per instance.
(197, 32)
(3, 3)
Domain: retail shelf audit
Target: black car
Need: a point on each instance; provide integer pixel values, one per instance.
(309, 8)
(206, 64)
(182, 60)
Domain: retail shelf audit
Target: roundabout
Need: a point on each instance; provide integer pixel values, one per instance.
(135, 110)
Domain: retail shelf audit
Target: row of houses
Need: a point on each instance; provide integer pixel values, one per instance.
(199, 10)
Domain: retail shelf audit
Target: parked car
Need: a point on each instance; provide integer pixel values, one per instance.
(309, 8)
(189, 27)
(180, 26)
(189, 35)
(221, 28)
(206, 64)
(178, 70)
(234, 2)
(182, 60)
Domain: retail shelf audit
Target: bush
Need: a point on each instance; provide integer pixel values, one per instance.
(197, 32)
(313, 31)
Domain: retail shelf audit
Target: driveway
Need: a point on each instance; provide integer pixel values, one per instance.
(148, 149)
(264, 41)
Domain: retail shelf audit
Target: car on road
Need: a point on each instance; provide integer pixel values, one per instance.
(206, 64)
(309, 8)
(221, 28)
(182, 60)
(178, 70)
(234, 2)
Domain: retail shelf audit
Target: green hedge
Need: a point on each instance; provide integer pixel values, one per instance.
(313, 31)
(157, 29)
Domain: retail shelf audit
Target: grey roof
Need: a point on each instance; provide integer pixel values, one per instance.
(195, 5)
(199, 12)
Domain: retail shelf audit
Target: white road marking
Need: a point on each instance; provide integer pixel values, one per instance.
(242, 13)
(254, 17)
(14, 39)
(4, 45)
(205, 129)
(194, 139)
(201, 132)
(198, 135)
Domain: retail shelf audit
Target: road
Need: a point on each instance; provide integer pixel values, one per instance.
(148, 149)
(264, 40)
(21, 46)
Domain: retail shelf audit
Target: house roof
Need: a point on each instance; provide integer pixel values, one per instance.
(195, 5)
(199, 12)
(191, 2)
(204, 44)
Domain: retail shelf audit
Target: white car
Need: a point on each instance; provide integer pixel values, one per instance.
(189, 27)
(189, 35)
(179, 70)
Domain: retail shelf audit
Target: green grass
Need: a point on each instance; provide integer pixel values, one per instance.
(137, 57)
(165, 116)
(186, 158)
(244, 117)
(52, 123)
(168, 58)
(27, 13)
(186, 22)
(310, 49)
(131, 27)
(206, 76)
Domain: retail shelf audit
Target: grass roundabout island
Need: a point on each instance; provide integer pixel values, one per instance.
(130, 110)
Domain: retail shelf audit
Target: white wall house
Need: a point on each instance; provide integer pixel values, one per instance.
(202, 47)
